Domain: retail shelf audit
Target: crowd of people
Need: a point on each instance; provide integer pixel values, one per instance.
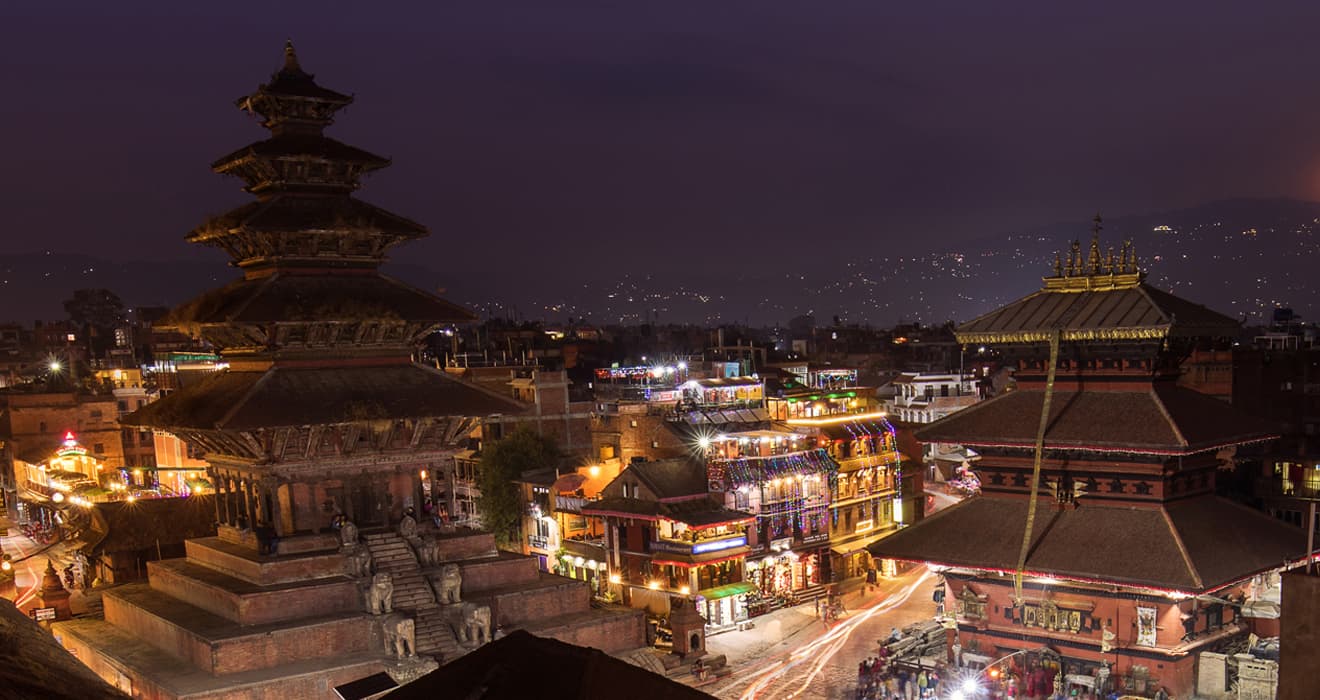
(876, 680)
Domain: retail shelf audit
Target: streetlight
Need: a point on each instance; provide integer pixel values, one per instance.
(55, 366)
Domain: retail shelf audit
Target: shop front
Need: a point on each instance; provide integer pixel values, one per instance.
(725, 607)
(782, 574)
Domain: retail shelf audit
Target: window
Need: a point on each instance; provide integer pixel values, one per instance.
(632, 424)
(96, 414)
(99, 448)
(43, 426)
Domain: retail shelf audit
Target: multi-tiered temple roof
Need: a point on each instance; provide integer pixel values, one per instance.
(313, 332)
(1129, 456)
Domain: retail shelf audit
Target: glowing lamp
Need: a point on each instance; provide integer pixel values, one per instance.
(616, 579)
(653, 585)
(55, 366)
(685, 590)
(422, 474)
(57, 497)
(6, 565)
(969, 686)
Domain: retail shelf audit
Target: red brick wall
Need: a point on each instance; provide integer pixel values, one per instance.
(523, 607)
(609, 634)
(483, 575)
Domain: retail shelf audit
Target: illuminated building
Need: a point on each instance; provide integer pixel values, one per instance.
(1130, 566)
(35, 426)
(666, 534)
(785, 479)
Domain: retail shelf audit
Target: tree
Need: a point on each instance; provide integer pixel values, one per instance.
(502, 463)
(96, 312)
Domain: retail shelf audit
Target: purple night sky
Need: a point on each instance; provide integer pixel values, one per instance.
(591, 138)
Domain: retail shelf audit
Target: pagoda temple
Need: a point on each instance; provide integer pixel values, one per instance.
(319, 435)
(1098, 555)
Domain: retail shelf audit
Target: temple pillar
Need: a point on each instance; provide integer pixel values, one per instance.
(246, 503)
(270, 503)
(227, 498)
(219, 497)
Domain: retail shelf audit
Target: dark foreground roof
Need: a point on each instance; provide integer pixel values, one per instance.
(522, 666)
(1192, 545)
(123, 526)
(278, 397)
(1135, 312)
(1166, 419)
(34, 665)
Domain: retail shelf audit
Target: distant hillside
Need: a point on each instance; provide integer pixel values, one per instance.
(1240, 257)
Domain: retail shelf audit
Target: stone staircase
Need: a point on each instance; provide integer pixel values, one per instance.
(412, 593)
(393, 556)
(434, 635)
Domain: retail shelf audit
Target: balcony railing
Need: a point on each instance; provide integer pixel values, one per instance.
(538, 542)
(570, 504)
(721, 544)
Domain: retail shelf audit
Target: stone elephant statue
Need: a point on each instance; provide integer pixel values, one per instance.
(475, 628)
(400, 636)
(380, 595)
(449, 586)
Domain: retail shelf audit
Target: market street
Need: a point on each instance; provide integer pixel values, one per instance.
(793, 654)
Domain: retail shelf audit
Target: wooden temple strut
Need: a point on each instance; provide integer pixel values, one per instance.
(1035, 469)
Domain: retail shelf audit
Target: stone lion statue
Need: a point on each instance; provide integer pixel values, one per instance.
(357, 560)
(476, 624)
(400, 636)
(380, 595)
(450, 585)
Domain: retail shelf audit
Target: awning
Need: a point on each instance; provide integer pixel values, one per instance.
(727, 590)
(846, 548)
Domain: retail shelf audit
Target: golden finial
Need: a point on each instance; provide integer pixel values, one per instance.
(1093, 259)
(1132, 257)
(1109, 261)
(1075, 259)
(291, 57)
(1058, 266)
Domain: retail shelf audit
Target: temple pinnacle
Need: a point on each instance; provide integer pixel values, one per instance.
(291, 57)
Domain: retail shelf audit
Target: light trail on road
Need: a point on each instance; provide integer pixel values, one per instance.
(817, 654)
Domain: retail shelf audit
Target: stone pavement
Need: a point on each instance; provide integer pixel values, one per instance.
(780, 633)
